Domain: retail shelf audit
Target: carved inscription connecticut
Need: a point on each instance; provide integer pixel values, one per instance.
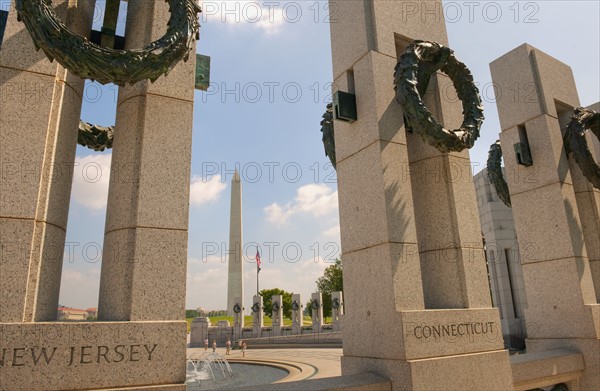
(75, 355)
(454, 330)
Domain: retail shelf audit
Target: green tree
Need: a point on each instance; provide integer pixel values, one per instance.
(191, 314)
(308, 308)
(332, 280)
(267, 295)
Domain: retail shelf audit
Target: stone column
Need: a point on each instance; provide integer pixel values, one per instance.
(337, 310)
(553, 208)
(410, 233)
(506, 274)
(589, 200)
(316, 303)
(297, 316)
(40, 108)
(238, 319)
(199, 331)
(277, 315)
(145, 243)
(257, 316)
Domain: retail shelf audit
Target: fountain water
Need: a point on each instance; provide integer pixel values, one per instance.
(204, 367)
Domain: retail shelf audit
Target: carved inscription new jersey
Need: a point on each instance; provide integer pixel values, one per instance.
(75, 355)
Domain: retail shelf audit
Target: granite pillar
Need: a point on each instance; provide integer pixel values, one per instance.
(337, 310)
(257, 316)
(504, 265)
(411, 244)
(40, 110)
(589, 200)
(277, 314)
(145, 241)
(550, 205)
(297, 316)
(238, 319)
(316, 303)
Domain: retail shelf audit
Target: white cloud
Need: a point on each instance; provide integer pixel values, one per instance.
(79, 289)
(333, 232)
(91, 177)
(315, 199)
(207, 283)
(246, 13)
(203, 191)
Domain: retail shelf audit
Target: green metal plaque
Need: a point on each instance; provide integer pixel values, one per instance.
(202, 72)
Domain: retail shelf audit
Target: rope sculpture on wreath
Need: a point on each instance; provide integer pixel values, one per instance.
(95, 137)
(105, 65)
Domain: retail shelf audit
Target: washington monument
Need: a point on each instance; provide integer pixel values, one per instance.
(235, 282)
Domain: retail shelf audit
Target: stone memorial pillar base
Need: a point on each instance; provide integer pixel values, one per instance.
(453, 344)
(199, 331)
(105, 355)
(478, 370)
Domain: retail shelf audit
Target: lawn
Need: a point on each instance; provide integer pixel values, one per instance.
(248, 321)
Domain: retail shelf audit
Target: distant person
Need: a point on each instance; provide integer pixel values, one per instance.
(228, 347)
(244, 349)
(205, 344)
(214, 345)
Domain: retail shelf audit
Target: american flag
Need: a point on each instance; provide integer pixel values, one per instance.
(257, 261)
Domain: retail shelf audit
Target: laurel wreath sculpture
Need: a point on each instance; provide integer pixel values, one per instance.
(494, 172)
(315, 304)
(105, 65)
(421, 60)
(276, 307)
(98, 138)
(255, 307)
(295, 305)
(581, 121)
(335, 303)
(237, 309)
(328, 134)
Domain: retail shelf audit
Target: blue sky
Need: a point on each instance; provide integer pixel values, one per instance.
(271, 71)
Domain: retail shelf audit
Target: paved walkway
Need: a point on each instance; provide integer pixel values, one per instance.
(309, 363)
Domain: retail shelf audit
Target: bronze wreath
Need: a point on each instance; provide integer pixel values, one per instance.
(105, 65)
(237, 309)
(276, 306)
(494, 172)
(335, 303)
(315, 304)
(328, 134)
(255, 307)
(420, 60)
(95, 137)
(583, 120)
(295, 305)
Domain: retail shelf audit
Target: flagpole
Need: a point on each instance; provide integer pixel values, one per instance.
(257, 272)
